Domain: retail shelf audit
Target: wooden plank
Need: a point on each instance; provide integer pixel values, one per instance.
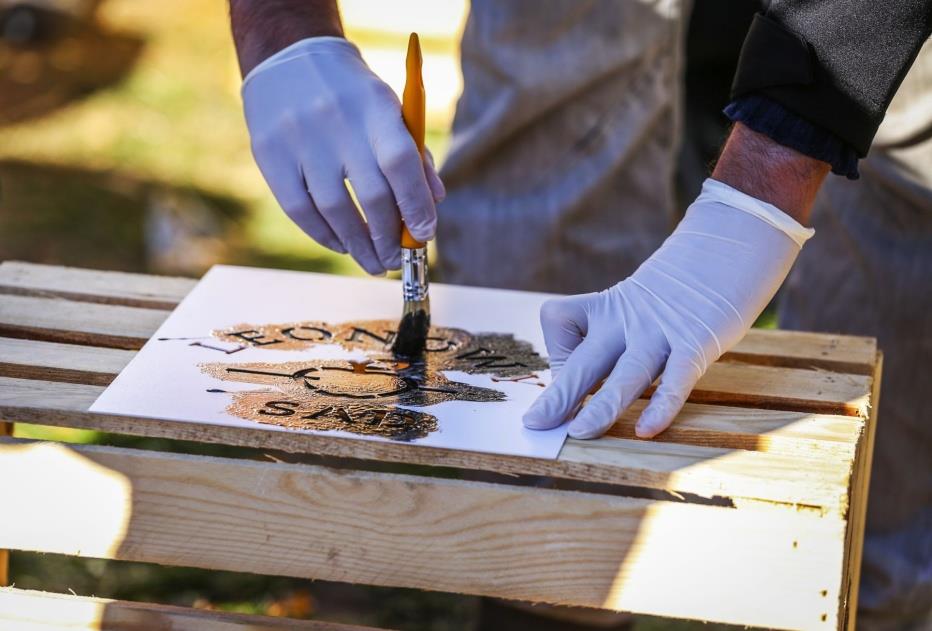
(43, 611)
(818, 391)
(523, 543)
(774, 431)
(6, 429)
(841, 353)
(857, 515)
(797, 479)
(86, 285)
(68, 363)
(725, 382)
(67, 321)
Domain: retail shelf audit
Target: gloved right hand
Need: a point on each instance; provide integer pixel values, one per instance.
(316, 115)
(684, 307)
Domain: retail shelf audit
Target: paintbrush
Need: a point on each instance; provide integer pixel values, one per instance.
(415, 320)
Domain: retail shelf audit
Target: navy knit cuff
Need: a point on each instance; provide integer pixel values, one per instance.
(768, 117)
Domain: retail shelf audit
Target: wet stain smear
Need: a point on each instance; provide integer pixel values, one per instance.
(357, 397)
(371, 397)
(497, 354)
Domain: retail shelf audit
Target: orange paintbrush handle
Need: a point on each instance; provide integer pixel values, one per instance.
(413, 104)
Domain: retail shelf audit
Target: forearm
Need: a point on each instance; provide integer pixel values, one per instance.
(762, 168)
(261, 28)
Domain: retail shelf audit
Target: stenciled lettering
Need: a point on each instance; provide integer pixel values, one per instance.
(252, 336)
(279, 408)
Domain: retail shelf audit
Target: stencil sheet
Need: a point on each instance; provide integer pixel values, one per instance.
(302, 352)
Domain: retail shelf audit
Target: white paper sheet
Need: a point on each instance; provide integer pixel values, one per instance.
(165, 381)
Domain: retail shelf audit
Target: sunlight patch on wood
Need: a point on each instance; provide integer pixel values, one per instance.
(82, 507)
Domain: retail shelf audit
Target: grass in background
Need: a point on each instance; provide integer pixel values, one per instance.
(176, 121)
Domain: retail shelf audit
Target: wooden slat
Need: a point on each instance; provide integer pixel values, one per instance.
(86, 285)
(857, 515)
(67, 321)
(773, 431)
(5, 430)
(822, 391)
(69, 363)
(813, 480)
(24, 610)
(841, 353)
(525, 543)
(728, 383)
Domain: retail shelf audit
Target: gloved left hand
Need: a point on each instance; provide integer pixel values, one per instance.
(689, 303)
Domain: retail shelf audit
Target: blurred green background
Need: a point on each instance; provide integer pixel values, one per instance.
(123, 146)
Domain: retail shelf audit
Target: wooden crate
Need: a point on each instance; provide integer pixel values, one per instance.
(748, 510)
(24, 610)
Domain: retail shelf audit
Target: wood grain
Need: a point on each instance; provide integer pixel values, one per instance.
(24, 610)
(68, 363)
(803, 349)
(70, 322)
(6, 429)
(97, 286)
(562, 547)
(713, 426)
(841, 353)
(793, 461)
(857, 515)
(819, 480)
(727, 383)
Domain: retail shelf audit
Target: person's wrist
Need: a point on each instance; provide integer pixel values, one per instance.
(715, 191)
(309, 46)
(261, 29)
(760, 167)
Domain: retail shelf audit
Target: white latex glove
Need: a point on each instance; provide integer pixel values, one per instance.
(316, 115)
(689, 303)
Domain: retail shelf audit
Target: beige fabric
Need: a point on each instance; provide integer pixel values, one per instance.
(560, 172)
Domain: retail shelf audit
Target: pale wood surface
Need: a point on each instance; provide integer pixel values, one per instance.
(22, 610)
(778, 436)
(674, 559)
(819, 480)
(731, 383)
(91, 324)
(5, 430)
(106, 287)
(787, 348)
(70, 363)
(775, 431)
(857, 516)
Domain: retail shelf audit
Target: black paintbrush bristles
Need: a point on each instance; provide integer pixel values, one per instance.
(411, 339)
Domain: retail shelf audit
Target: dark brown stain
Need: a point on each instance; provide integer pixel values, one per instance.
(370, 397)
(498, 354)
(358, 397)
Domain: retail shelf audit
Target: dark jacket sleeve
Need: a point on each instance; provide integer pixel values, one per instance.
(834, 63)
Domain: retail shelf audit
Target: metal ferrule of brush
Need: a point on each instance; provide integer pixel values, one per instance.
(414, 273)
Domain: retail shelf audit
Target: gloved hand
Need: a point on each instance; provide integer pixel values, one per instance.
(316, 115)
(689, 303)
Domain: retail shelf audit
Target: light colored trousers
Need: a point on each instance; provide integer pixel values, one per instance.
(560, 178)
